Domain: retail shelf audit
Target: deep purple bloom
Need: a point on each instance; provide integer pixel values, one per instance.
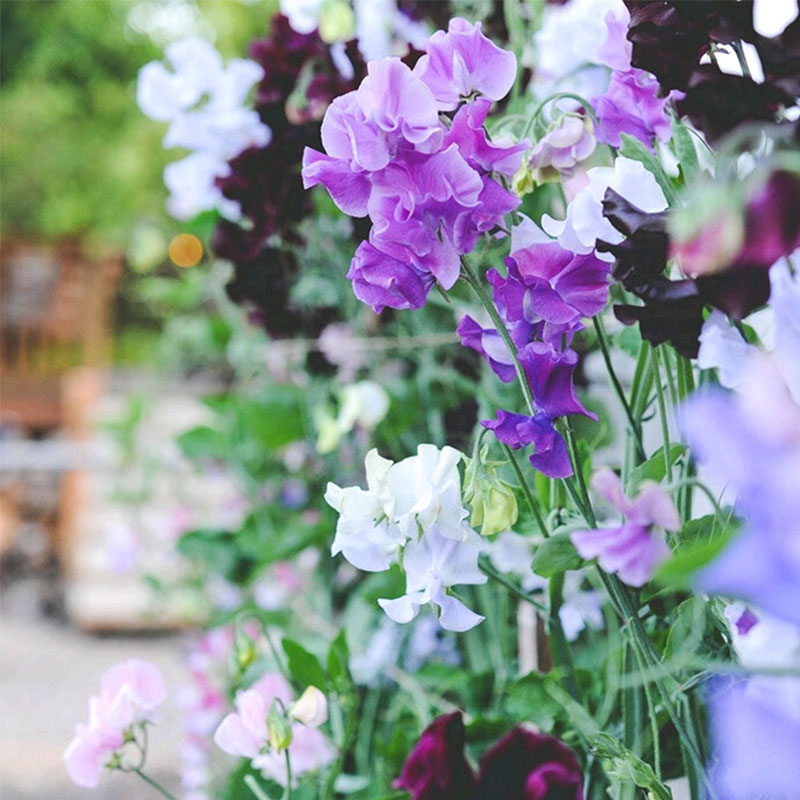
(436, 769)
(631, 105)
(528, 765)
(463, 61)
(517, 430)
(550, 285)
(755, 731)
(550, 372)
(489, 343)
(632, 549)
(380, 280)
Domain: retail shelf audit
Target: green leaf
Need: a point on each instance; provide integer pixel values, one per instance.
(677, 572)
(655, 468)
(338, 660)
(684, 149)
(633, 148)
(215, 549)
(556, 555)
(304, 667)
(626, 767)
(204, 442)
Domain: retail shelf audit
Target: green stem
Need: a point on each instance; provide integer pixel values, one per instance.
(651, 712)
(155, 784)
(636, 429)
(492, 573)
(561, 645)
(287, 790)
(531, 500)
(662, 412)
(474, 281)
(558, 96)
(252, 785)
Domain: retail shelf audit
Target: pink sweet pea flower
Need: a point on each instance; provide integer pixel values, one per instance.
(130, 693)
(632, 549)
(245, 732)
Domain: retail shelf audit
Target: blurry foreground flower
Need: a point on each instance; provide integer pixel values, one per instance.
(633, 549)
(130, 694)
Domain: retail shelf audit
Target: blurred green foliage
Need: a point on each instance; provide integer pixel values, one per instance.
(77, 157)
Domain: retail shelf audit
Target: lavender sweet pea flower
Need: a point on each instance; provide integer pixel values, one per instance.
(632, 549)
(755, 728)
(462, 62)
(750, 440)
(518, 430)
(631, 105)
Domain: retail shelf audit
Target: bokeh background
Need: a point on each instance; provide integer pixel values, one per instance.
(107, 346)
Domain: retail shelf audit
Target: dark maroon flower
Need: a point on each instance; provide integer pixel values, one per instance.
(643, 253)
(437, 768)
(526, 765)
(771, 221)
(716, 103)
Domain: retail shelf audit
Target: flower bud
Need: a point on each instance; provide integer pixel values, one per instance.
(245, 651)
(311, 708)
(569, 141)
(279, 731)
(494, 509)
(337, 23)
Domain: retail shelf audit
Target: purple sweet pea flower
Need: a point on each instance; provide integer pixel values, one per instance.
(632, 549)
(550, 373)
(380, 280)
(462, 62)
(755, 729)
(517, 430)
(550, 285)
(436, 769)
(631, 105)
(468, 133)
(489, 343)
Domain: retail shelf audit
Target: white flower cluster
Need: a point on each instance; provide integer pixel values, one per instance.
(411, 513)
(203, 101)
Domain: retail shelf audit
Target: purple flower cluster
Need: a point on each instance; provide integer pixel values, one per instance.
(523, 765)
(542, 299)
(426, 182)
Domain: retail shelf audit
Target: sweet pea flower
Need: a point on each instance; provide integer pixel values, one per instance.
(568, 142)
(631, 105)
(463, 61)
(585, 223)
(130, 693)
(723, 348)
(433, 564)
(633, 549)
(246, 732)
(215, 132)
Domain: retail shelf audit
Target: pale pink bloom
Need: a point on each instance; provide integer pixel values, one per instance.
(633, 549)
(245, 733)
(130, 693)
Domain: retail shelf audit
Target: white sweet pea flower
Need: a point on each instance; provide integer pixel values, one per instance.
(585, 223)
(723, 348)
(191, 183)
(425, 490)
(364, 403)
(365, 536)
(215, 131)
(432, 564)
(303, 15)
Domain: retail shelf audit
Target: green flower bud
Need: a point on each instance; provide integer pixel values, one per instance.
(244, 650)
(492, 501)
(337, 23)
(279, 731)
